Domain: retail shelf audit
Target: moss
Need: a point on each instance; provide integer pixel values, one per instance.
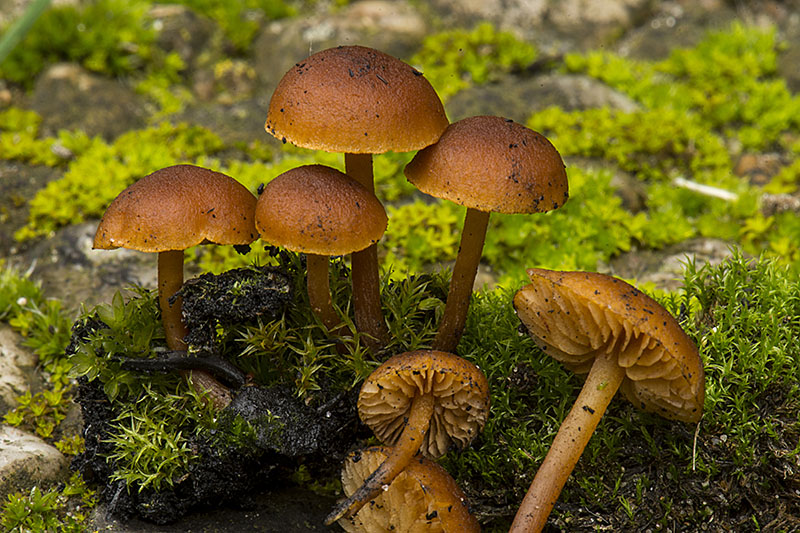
(456, 59)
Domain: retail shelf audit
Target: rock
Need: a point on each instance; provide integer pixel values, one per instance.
(518, 97)
(664, 268)
(69, 97)
(181, 30)
(27, 461)
(395, 28)
(19, 183)
(17, 369)
(241, 121)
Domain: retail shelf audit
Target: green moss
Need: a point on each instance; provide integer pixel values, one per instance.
(108, 36)
(64, 509)
(19, 137)
(456, 59)
(743, 315)
(95, 178)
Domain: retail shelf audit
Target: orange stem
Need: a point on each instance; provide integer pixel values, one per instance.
(601, 384)
(319, 291)
(407, 445)
(464, 271)
(170, 280)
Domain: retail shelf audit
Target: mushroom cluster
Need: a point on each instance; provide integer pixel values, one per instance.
(419, 404)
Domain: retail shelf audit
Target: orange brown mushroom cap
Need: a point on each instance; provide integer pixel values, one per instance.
(172, 209)
(488, 164)
(424, 497)
(624, 339)
(321, 212)
(422, 401)
(359, 101)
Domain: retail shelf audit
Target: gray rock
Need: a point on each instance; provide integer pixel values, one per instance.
(664, 268)
(518, 97)
(181, 30)
(69, 97)
(392, 27)
(17, 369)
(27, 461)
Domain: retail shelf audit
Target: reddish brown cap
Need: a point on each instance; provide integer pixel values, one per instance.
(176, 208)
(424, 497)
(461, 396)
(492, 164)
(317, 209)
(577, 315)
(357, 100)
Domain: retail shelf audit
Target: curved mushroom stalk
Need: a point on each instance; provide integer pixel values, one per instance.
(170, 280)
(463, 278)
(601, 385)
(407, 446)
(319, 290)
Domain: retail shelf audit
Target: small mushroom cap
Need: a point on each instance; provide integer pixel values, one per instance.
(460, 390)
(357, 100)
(176, 208)
(319, 210)
(492, 164)
(423, 498)
(575, 316)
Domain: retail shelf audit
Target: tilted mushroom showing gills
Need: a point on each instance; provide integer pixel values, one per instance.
(321, 212)
(624, 339)
(423, 498)
(423, 401)
(171, 210)
(358, 101)
(488, 164)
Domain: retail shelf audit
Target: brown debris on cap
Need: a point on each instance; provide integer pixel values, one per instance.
(461, 398)
(492, 164)
(424, 497)
(317, 209)
(358, 100)
(576, 315)
(176, 208)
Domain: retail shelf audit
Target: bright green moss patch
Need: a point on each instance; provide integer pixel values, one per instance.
(19, 137)
(743, 314)
(457, 59)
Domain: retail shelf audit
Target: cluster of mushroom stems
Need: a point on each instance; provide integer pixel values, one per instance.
(360, 102)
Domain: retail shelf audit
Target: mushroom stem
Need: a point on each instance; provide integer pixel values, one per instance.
(170, 280)
(319, 291)
(366, 280)
(604, 378)
(463, 278)
(407, 445)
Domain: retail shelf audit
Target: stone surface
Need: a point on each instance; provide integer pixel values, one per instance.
(17, 369)
(517, 97)
(69, 97)
(27, 461)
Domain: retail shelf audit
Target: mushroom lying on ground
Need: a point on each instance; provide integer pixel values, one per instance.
(422, 498)
(488, 164)
(359, 101)
(625, 340)
(423, 401)
(321, 212)
(167, 212)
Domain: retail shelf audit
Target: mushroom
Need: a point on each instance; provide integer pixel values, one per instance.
(422, 498)
(171, 210)
(321, 212)
(625, 340)
(359, 101)
(422, 401)
(488, 164)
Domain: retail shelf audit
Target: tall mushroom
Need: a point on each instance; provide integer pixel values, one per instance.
(423, 401)
(359, 101)
(321, 212)
(168, 211)
(488, 164)
(625, 340)
(423, 497)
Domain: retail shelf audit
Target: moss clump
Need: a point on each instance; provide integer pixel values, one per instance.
(638, 468)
